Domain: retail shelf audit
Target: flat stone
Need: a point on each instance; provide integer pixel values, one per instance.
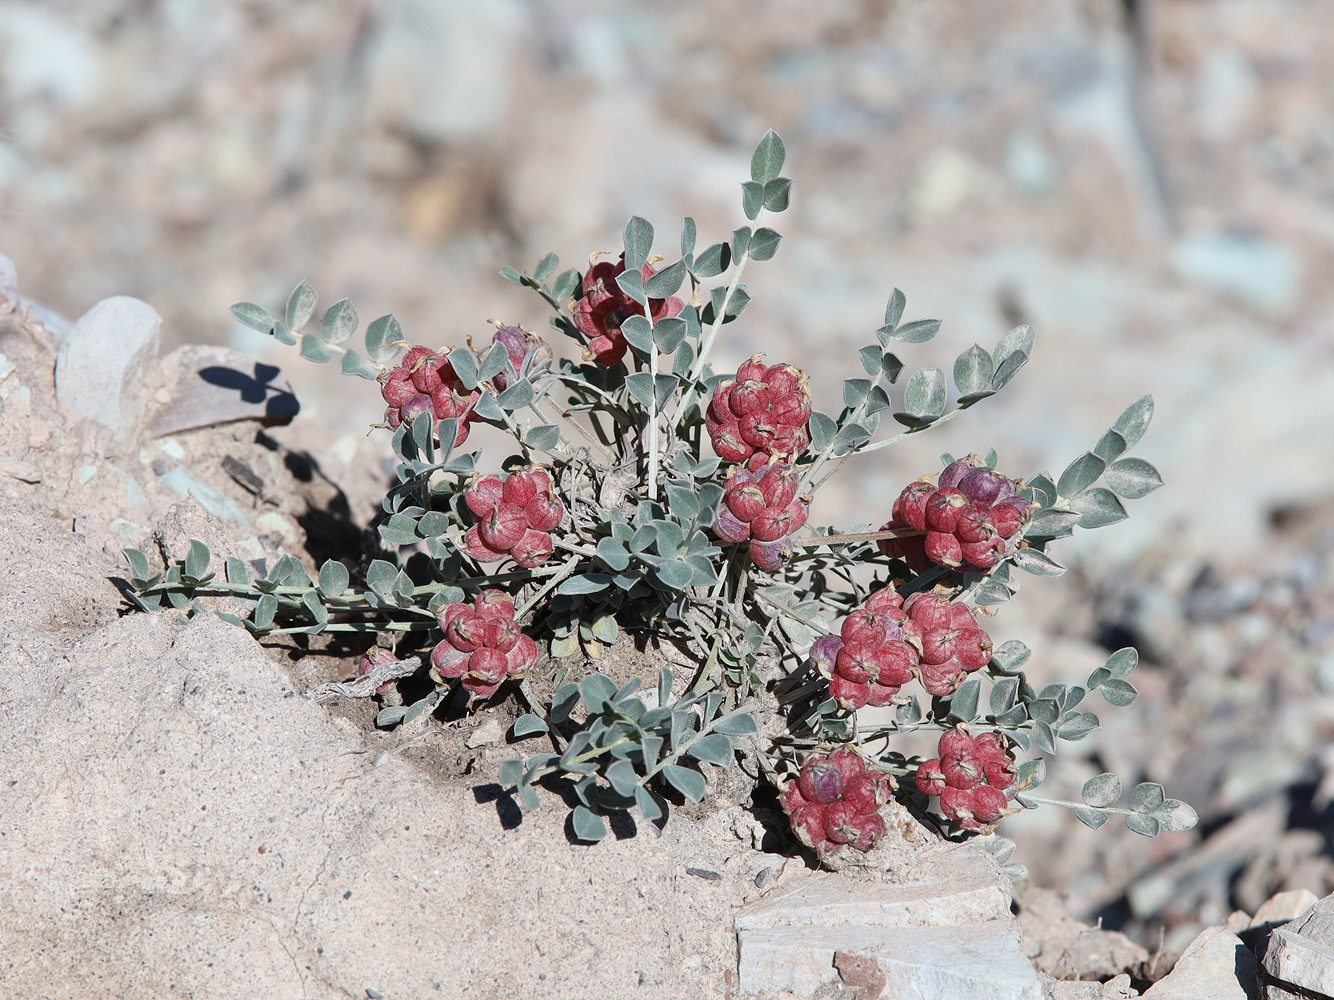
(1263, 275)
(1283, 907)
(9, 278)
(1301, 952)
(203, 386)
(1215, 965)
(103, 362)
(956, 886)
(184, 483)
(980, 961)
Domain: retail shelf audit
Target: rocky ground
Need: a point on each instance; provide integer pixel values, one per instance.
(1150, 193)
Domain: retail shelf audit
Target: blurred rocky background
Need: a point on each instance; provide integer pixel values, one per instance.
(1150, 183)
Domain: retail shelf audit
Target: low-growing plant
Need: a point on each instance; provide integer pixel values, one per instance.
(654, 502)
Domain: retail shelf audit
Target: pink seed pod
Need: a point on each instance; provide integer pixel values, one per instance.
(865, 793)
(849, 761)
(943, 508)
(532, 549)
(398, 388)
(771, 556)
(494, 602)
(929, 610)
(961, 767)
(824, 654)
(544, 512)
(483, 494)
(1009, 517)
(523, 657)
(959, 469)
(808, 824)
(855, 663)
(871, 830)
(974, 524)
(894, 663)
(910, 507)
(840, 823)
(864, 628)
(499, 633)
(488, 665)
(778, 487)
(503, 526)
(745, 501)
(982, 555)
(982, 486)
(821, 780)
(849, 695)
(988, 803)
(449, 662)
(519, 489)
(886, 601)
(467, 632)
(880, 695)
(972, 648)
(728, 527)
(372, 658)
(940, 680)
(943, 549)
(930, 779)
(475, 547)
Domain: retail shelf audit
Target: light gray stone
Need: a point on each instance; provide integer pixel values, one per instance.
(979, 961)
(1302, 952)
(202, 386)
(1256, 272)
(185, 483)
(1282, 907)
(956, 886)
(103, 362)
(1215, 965)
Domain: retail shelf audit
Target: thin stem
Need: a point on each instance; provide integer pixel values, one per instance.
(861, 536)
(565, 571)
(1066, 803)
(652, 405)
(906, 434)
(358, 627)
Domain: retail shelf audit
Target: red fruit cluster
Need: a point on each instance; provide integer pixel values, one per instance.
(519, 343)
(889, 641)
(969, 517)
(950, 642)
(483, 644)
(974, 777)
(872, 659)
(836, 801)
(424, 382)
(604, 307)
(760, 505)
(515, 517)
(762, 411)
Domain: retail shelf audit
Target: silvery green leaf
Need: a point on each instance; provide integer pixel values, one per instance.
(688, 782)
(1043, 738)
(566, 285)
(713, 260)
(1010, 655)
(392, 715)
(1044, 710)
(1147, 796)
(764, 243)
(1133, 478)
(1011, 354)
(736, 304)
(546, 267)
(1101, 790)
(752, 199)
(740, 241)
(648, 805)
(511, 771)
(316, 608)
(464, 363)
(1134, 420)
(1175, 816)
(1146, 826)
(822, 429)
(894, 309)
(777, 194)
(638, 332)
(972, 372)
(632, 284)
(597, 690)
(197, 560)
(139, 570)
(668, 333)
(585, 583)
(588, 825)
(665, 282)
(236, 571)
(688, 235)
(354, 364)
(1097, 508)
(1092, 818)
(605, 629)
(665, 388)
(315, 349)
(870, 356)
(1080, 474)
(1012, 717)
(1110, 446)
(300, 305)
(1053, 522)
(1076, 726)
(1122, 662)
(1037, 563)
(674, 575)
(1004, 693)
(766, 163)
(339, 322)
(714, 748)
(909, 714)
(380, 576)
(878, 400)
(622, 778)
(1118, 692)
(1043, 490)
(511, 275)
(545, 437)
(638, 243)
(528, 796)
(738, 725)
(265, 608)
(925, 394)
(683, 502)
(380, 335)
(963, 703)
(516, 396)
(487, 408)
(613, 554)
(334, 578)
(849, 437)
(255, 317)
(854, 391)
(640, 385)
(916, 332)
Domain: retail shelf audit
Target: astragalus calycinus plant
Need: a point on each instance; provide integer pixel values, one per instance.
(651, 505)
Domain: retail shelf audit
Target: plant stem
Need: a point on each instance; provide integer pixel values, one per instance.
(565, 571)
(861, 536)
(945, 418)
(1067, 804)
